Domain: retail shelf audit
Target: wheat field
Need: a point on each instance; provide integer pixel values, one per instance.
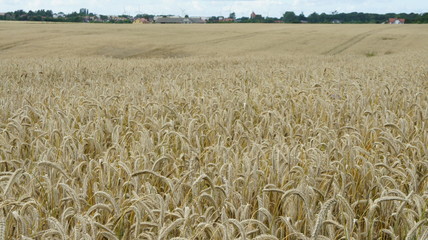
(213, 131)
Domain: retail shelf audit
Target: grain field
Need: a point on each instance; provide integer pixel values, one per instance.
(213, 131)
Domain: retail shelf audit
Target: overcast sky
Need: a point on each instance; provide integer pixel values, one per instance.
(273, 8)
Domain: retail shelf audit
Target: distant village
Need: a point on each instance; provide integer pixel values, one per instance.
(83, 15)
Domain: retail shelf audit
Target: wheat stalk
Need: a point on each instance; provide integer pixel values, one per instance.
(174, 143)
(15, 176)
(167, 229)
(321, 217)
(2, 227)
(414, 229)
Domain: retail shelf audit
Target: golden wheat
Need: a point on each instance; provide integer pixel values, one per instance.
(245, 131)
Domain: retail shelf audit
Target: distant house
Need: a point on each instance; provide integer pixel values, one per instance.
(227, 20)
(335, 21)
(396, 21)
(169, 20)
(141, 21)
(197, 20)
(179, 20)
(116, 18)
(255, 16)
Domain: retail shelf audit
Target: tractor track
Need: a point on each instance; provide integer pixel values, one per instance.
(348, 44)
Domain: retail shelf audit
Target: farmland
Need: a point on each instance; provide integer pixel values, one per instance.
(213, 131)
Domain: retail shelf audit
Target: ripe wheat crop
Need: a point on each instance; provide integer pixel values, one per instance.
(310, 146)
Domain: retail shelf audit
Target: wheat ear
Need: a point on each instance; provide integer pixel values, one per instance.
(321, 216)
(2, 228)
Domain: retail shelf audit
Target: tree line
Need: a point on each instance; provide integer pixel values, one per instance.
(334, 17)
(49, 16)
(287, 17)
(353, 17)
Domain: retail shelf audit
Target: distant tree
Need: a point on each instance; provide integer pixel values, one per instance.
(20, 15)
(258, 19)
(270, 19)
(324, 18)
(186, 16)
(314, 17)
(290, 17)
(104, 17)
(301, 17)
(423, 18)
(145, 15)
(74, 17)
(232, 15)
(125, 16)
(49, 13)
(213, 19)
(243, 19)
(9, 16)
(19, 12)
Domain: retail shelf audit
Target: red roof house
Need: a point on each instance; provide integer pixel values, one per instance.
(396, 21)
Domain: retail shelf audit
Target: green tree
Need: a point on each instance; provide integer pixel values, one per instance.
(323, 18)
(213, 19)
(423, 18)
(125, 16)
(314, 17)
(290, 17)
(103, 17)
(145, 15)
(20, 15)
(301, 17)
(244, 19)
